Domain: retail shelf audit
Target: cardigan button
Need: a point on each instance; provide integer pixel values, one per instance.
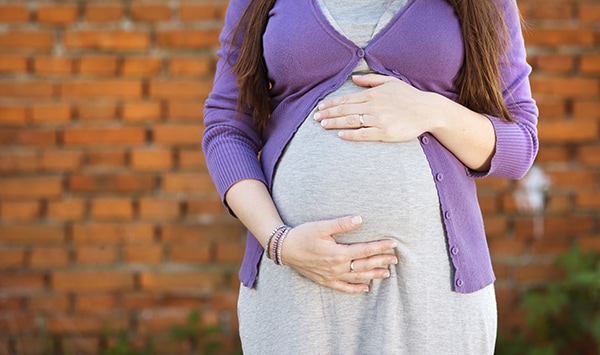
(447, 214)
(454, 251)
(460, 282)
(439, 176)
(360, 52)
(424, 140)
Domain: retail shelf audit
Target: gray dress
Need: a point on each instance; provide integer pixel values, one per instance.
(390, 185)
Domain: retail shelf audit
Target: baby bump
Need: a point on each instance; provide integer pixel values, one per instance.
(320, 176)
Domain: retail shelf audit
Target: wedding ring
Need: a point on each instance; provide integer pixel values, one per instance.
(361, 119)
(352, 266)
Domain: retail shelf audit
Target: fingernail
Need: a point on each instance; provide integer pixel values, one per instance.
(395, 261)
(321, 106)
(366, 290)
(324, 123)
(341, 134)
(317, 116)
(356, 220)
(387, 274)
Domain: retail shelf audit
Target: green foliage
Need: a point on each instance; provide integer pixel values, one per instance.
(563, 317)
(124, 346)
(201, 340)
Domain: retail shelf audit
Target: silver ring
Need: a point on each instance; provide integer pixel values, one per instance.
(361, 119)
(352, 266)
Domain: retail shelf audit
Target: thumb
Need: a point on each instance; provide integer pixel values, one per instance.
(340, 225)
(370, 80)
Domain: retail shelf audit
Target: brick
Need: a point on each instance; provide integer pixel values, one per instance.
(31, 187)
(555, 63)
(143, 111)
(178, 134)
(104, 136)
(124, 183)
(122, 89)
(102, 303)
(17, 323)
(113, 233)
(190, 254)
(53, 65)
(29, 234)
(103, 13)
(49, 257)
(538, 272)
(84, 324)
(29, 137)
(590, 155)
(12, 303)
(565, 87)
(84, 344)
(180, 89)
(181, 281)
(141, 300)
(27, 40)
(229, 253)
(495, 226)
(12, 64)
(187, 183)
(157, 208)
(205, 207)
(185, 110)
(550, 247)
(147, 254)
(96, 111)
(198, 12)
(106, 160)
(568, 131)
(559, 203)
(191, 159)
(178, 234)
(556, 227)
(91, 281)
(572, 178)
(13, 13)
(106, 40)
(18, 162)
(551, 12)
(112, 208)
(556, 37)
(19, 210)
(141, 66)
(49, 302)
(57, 14)
(151, 159)
(69, 209)
(97, 65)
(22, 281)
(61, 160)
(187, 39)
(11, 258)
(51, 113)
(586, 109)
(13, 115)
(588, 200)
(26, 89)
(150, 12)
(590, 243)
(160, 322)
(96, 255)
(190, 66)
(33, 345)
(589, 13)
(590, 63)
(552, 108)
(553, 155)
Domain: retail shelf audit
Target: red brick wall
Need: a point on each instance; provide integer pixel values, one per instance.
(108, 219)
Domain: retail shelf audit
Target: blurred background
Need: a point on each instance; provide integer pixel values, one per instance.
(114, 241)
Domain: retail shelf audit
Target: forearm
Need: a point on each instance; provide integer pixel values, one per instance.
(468, 135)
(252, 204)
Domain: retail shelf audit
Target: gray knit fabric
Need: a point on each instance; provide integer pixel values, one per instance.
(390, 185)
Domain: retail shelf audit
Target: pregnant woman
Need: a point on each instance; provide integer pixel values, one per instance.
(346, 136)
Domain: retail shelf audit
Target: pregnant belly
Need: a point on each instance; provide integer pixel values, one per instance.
(390, 185)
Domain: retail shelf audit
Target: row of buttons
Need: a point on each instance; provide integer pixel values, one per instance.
(447, 215)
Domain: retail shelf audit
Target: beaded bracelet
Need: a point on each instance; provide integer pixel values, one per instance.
(275, 230)
(280, 244)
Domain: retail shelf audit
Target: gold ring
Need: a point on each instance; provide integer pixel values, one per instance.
(352, 266)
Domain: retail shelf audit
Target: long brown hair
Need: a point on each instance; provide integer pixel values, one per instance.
(478, 81)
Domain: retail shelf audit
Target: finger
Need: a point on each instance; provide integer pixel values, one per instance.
(339, 225)
(340, 111)
(348, 287)
(370, 134)
(350, 121)
(344, 100)
(374, 262)
(367, 276)
(368, 249)
(372, 80)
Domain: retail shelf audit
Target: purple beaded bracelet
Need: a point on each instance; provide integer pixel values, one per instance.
(275, 230)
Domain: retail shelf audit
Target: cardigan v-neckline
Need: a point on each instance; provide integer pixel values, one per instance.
(336, 35)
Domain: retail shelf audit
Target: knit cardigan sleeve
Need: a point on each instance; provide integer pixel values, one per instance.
(516, 142)
(231, 142)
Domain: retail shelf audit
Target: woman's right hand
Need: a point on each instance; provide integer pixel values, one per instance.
(311, 250)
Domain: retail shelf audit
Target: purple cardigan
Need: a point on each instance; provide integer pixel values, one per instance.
(307, 59)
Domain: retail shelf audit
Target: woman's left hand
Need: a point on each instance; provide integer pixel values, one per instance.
(389, 111)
